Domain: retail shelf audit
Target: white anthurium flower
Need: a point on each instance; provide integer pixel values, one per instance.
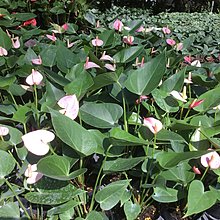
(180, 96)
(37, 141)
(196, 63)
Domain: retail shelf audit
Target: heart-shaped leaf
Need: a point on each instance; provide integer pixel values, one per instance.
(143, 80)
(162, 194)
(198, 200)
(57, 167)
(110, 195)
(101, 115)
(73, 134)
(131, 210)
(7, 164)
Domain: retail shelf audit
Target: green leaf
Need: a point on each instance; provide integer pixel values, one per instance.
(7, 164)
(54, 166)
(131, 210)
(166, 135)
(171, 159)
(65, 58)
(104, 79)
(111, 194)
(180, 173)
(21, 115)
(128, 54)
(121, 164)
(120, 137)
(174, 82)
(23, 16)
(165, 195)
(62, 208)
(167, 103)
(48, 55)
(211, 99)
(6, 81)
(5, 40)
(96, 215)
(10, 211)
(144, 80)
(53, 196)
(198, 200)
(73, 134)
(80, 85)
(101, 115)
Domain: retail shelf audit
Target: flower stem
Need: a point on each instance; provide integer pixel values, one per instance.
(125, 114)
(98, 178)
(19, 201)
(36, 105)
(206, 170)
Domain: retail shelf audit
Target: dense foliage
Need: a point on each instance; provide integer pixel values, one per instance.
(106, 121)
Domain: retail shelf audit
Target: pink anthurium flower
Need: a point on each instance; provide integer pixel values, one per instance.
(166, 30)
(65, 26)
(32, 175)
(128, 40)
(153, 124)
(196, 103)
(69, 45)
(34, 78)
(37, 61)
(106, 57)
(110, 67)
(171, 42)
(118, 25)
(179, 46)
(97, 42)
(187, 59)
(3, 52)
(142, 98)
(139, 64)
(3, 131)
(89, 64)
(15, 42)
(140, 29)
(51, 37)
(211, 160)
(36, 141)
(70, 106)
(196, 170)
(32, 22)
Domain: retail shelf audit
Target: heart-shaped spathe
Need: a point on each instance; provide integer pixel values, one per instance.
(36, 141)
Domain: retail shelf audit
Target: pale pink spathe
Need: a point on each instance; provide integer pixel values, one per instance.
(69, 105)
(128, 40)
(37, 61)
(37, 141)
(15, 42)
(34, 78)
(3, 52)
(97, 42)
(32, 175)
(89, 65)
(211, 160)
(3, 131)
(118, 25)
(153, 124)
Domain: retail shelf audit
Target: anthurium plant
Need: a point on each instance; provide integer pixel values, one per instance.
(114, 122)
